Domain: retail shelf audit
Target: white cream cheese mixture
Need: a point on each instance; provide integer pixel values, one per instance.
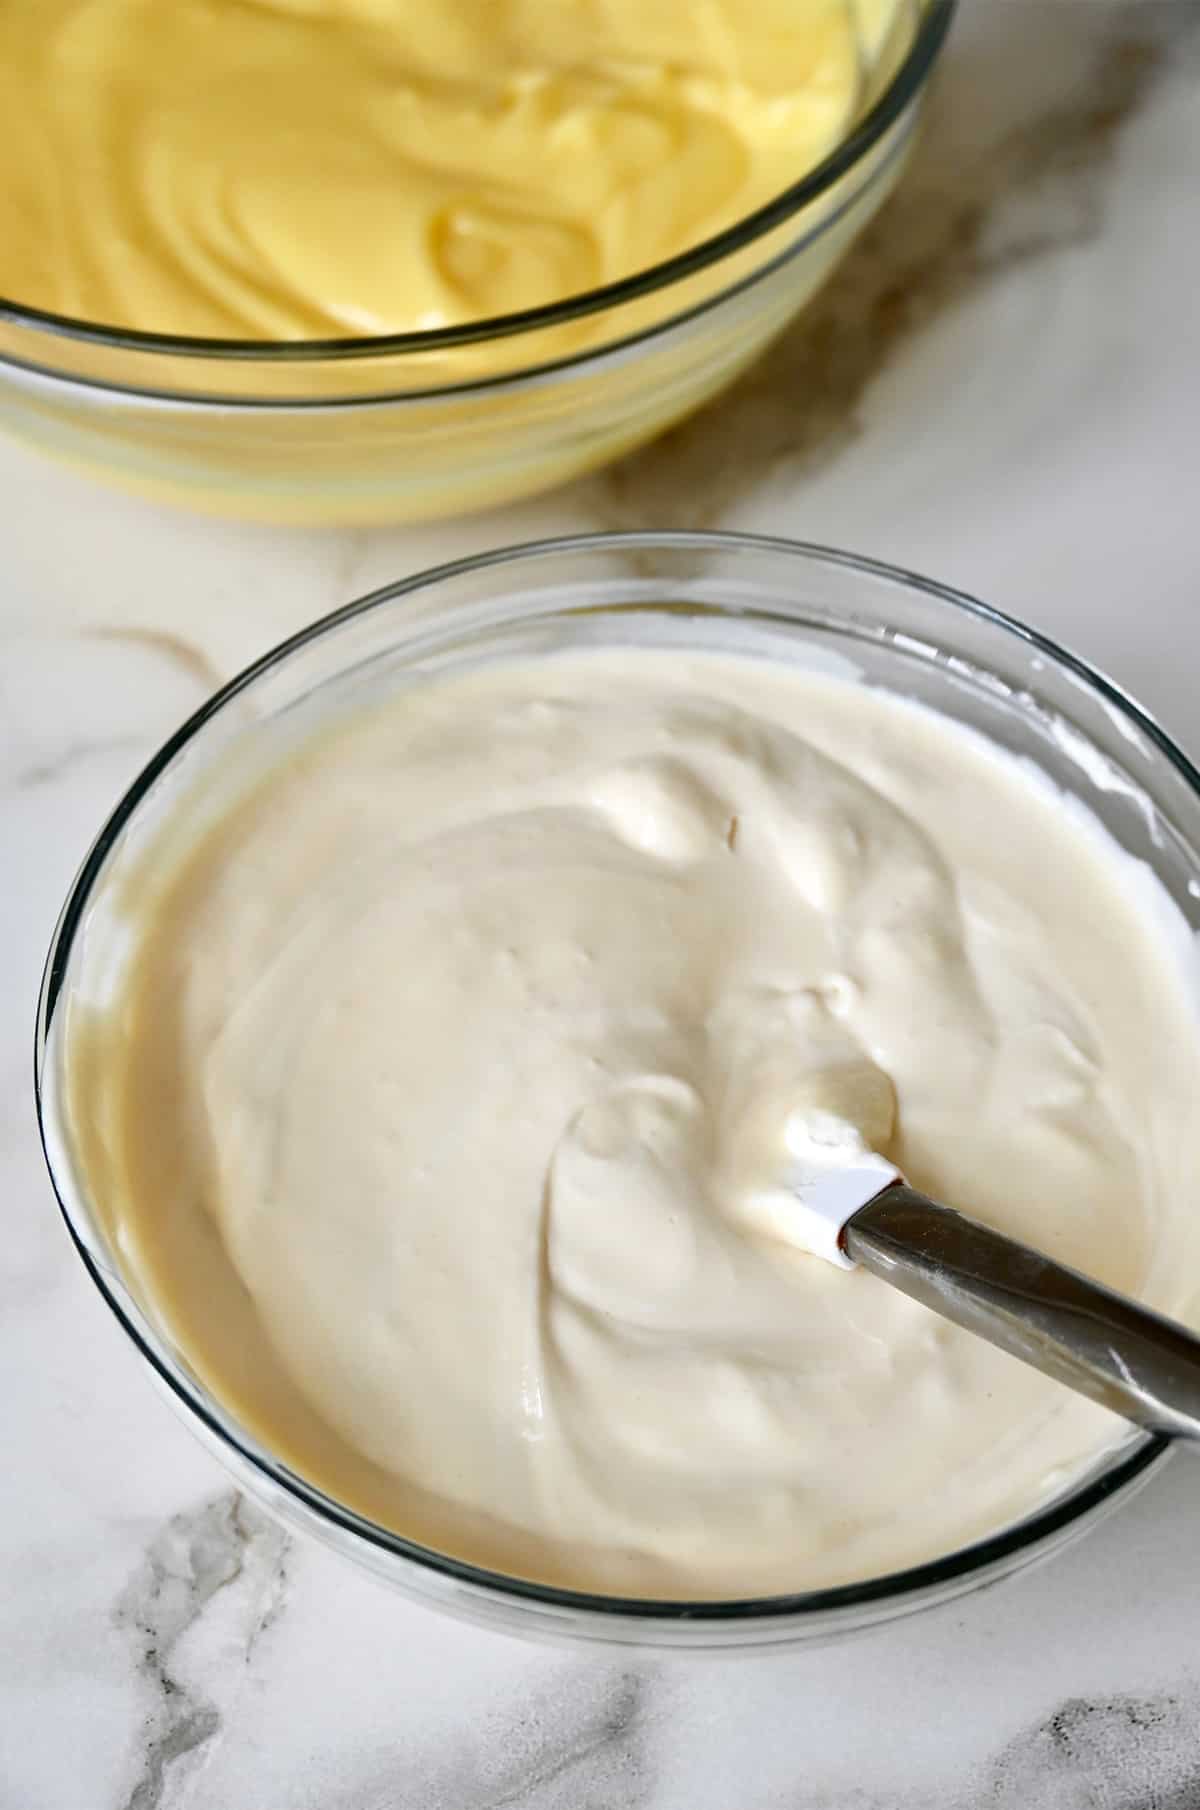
(455, 1064)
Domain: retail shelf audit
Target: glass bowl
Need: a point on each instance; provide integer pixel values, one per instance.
(784, 600)
(425, 424)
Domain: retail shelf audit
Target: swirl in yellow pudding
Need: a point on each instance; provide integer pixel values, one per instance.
(294, 169)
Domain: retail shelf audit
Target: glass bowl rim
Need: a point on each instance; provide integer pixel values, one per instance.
(1129, 1461)
(932, 27)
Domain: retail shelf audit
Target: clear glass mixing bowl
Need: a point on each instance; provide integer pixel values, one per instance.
(786, 601)
(425, 424)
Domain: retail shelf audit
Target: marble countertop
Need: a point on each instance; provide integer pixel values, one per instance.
(1001, 388)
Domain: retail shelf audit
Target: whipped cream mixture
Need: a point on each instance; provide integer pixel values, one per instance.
(440, 1103)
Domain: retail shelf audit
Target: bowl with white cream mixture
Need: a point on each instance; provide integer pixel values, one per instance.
(331, 260)
(426, 1022)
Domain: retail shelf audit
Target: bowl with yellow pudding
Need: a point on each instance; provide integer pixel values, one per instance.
(332, 260)
(425, 1026)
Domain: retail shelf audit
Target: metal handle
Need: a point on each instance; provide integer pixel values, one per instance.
(1082, 1334)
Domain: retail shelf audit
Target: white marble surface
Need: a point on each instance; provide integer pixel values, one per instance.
(1001, 389)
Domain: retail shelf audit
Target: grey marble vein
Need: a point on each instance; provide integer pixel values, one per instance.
(981, 196)
(173, 647)
(197, 1555)
(1117, 1753)
(1111, 1753)
(584, 1743)
(46, 772)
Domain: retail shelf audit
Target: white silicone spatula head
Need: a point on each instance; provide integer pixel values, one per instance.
(850, 1206)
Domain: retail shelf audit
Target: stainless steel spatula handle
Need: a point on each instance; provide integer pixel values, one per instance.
(1122, 1355)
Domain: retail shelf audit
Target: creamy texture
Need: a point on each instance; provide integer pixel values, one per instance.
(319, 168)
(437, 1108)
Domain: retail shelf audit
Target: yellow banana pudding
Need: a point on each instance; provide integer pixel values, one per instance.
(296, 169)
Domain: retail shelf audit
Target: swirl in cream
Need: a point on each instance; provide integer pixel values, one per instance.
(456, 1058)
